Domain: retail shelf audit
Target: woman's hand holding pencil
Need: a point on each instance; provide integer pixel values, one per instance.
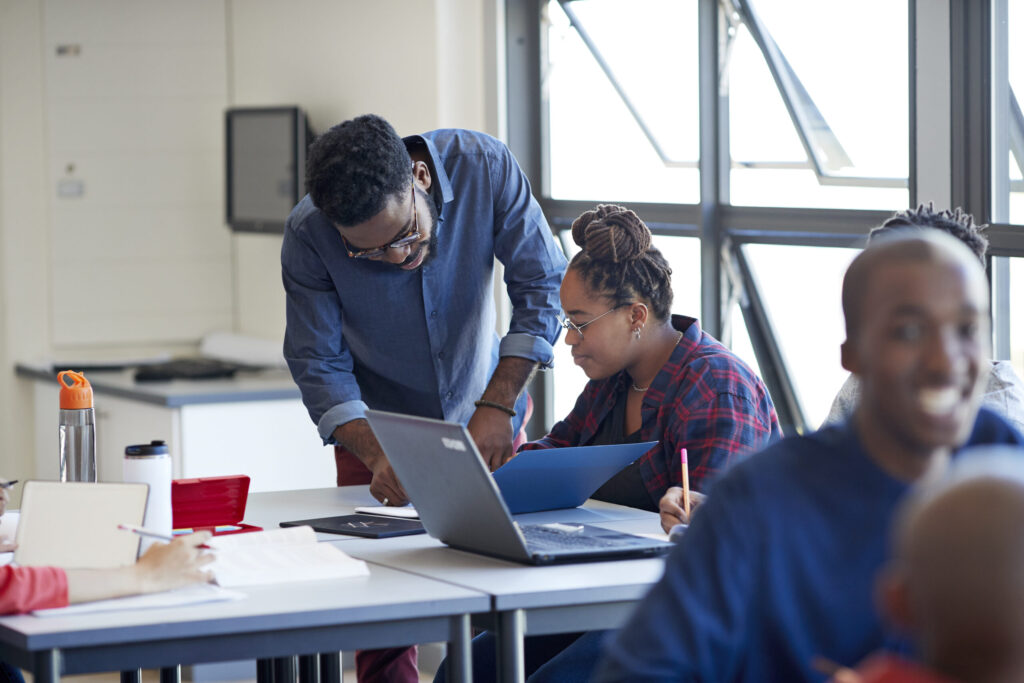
(679, 502)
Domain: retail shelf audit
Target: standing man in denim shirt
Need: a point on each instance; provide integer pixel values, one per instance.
(388, 265)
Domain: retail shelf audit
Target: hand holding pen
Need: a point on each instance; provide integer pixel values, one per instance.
(160, 537)
(679, 502)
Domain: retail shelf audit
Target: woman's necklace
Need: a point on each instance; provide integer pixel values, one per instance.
(634, 387)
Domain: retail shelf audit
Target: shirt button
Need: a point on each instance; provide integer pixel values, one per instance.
(448, 395)
(441, 355)
(433, 314)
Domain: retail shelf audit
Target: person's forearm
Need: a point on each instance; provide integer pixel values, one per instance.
(508, 380)
(86, 585)
(357, 437)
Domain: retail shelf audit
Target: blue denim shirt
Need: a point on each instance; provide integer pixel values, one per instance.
(362, 333)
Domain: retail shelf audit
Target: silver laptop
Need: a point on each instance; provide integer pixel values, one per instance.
(459, 503)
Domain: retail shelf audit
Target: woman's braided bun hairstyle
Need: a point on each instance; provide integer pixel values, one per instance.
(617, 259)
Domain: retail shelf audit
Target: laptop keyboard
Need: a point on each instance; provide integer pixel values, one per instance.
(540, 537)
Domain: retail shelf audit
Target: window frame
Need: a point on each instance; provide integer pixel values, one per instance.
(954, 168)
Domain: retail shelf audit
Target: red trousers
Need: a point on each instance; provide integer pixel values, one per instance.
(393, 665)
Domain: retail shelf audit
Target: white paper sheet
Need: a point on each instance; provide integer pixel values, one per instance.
(189, 595)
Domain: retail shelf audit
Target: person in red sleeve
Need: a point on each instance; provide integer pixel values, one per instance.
(163, 567)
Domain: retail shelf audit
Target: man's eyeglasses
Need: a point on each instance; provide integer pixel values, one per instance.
(403, 240)
(578, 329)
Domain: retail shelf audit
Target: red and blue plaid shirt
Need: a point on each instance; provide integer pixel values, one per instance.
(704, 399)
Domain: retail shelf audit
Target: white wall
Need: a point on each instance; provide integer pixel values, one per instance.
(421, 64)
(418, 64)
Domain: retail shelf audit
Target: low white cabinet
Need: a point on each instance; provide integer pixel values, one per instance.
(252, 424)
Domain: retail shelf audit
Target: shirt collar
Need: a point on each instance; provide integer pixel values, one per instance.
(440, 176)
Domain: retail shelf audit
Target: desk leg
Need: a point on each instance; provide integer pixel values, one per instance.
(264, 671)
(309, 668)
(285, 669)
(131, 676)
(511, 653)
(330, 667)
(170, 674)
(46, 667)
(460, 650)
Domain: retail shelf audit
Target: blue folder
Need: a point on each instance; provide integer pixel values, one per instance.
(554, 478)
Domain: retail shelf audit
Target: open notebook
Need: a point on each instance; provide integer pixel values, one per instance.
(279, 556)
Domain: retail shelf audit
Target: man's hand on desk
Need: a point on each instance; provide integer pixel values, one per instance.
(491, 430)
(385, 486)
(358, 438)
(671, 507)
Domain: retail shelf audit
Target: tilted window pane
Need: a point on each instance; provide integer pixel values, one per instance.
(849, 63)
(801, 288)
(598, 148)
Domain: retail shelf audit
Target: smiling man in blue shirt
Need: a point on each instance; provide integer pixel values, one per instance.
(388, 265)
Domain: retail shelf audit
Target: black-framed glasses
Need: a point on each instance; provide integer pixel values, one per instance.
(578, 329)
(403, 240)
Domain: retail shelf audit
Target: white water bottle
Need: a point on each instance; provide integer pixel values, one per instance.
(76, 432)
(151, 464)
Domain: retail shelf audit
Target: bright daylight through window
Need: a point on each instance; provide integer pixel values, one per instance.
(815, 99)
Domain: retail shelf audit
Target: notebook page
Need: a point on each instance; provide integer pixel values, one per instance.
(253, 565)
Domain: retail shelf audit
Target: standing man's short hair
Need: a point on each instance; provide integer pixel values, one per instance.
(353, 168)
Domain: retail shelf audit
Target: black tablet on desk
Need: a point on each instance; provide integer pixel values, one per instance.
(367, 526)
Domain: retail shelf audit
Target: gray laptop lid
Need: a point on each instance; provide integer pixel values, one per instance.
(456, 497)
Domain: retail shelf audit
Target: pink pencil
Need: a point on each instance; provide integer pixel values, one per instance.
(686, 482)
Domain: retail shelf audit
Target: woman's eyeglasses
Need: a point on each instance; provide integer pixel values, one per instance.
(578, 329)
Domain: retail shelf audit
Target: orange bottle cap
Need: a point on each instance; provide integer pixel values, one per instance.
(75, 390)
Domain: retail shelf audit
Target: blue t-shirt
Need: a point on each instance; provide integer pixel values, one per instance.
(777, 568)
(360, 332)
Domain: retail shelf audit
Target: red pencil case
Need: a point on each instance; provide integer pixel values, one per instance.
(214, 504)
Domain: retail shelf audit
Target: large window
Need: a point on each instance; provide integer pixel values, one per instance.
(814, 128)
(621, 79)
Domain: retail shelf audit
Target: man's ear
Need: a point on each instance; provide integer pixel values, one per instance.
(421, 175)
(892, 595)
(847, 357)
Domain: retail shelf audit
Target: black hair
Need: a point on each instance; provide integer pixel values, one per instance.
(353, 168)
(957, 223)
(617, 259)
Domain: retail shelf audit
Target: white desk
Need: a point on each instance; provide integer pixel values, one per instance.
(524, 600)
(389, 608)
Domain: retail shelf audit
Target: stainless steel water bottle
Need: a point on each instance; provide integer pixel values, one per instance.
(77, 428)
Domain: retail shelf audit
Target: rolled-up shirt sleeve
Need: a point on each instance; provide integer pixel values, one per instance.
(534, 263)
(314, 348)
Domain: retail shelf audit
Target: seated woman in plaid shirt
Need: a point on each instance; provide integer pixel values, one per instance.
(654, 376)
